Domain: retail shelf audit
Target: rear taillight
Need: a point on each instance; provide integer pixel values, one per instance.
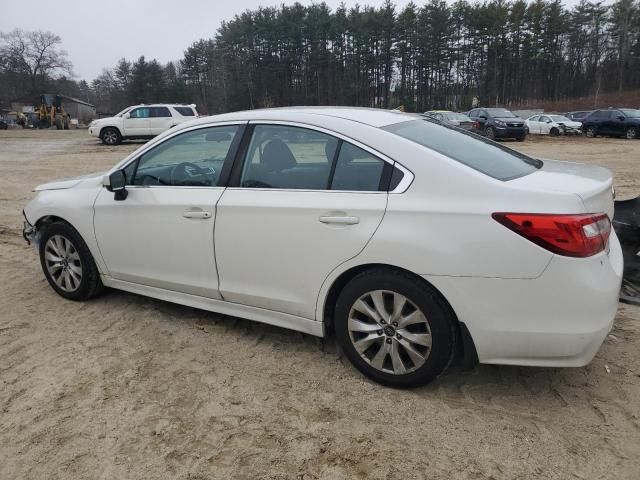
(569, 235)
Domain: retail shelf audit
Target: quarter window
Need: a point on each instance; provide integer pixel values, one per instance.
(185, 111)
(193, 158)
(357, 169)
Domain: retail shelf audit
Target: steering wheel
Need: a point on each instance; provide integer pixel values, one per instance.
(255, 184)
(144, 180)
(179, 172)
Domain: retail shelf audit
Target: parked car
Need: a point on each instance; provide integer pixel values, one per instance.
(552, 125)
(621, 122)
(577, 116)
(499, 123)
(413, 241)
(454, 119)
(3, 124)
(141, 121)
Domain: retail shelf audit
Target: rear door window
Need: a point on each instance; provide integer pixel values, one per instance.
(288, 157)
(158, 112)
(467, 148)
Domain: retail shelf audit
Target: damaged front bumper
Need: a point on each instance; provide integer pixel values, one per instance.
(29, 232)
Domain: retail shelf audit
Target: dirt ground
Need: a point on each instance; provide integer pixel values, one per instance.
(126, 387)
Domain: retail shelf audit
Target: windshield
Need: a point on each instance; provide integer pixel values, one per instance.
(123, 112)
(630, 112)
(500, 112)
(470, 149)
(559, 118)
(460, 117)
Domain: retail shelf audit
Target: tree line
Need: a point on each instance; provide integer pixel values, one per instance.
(434, 55)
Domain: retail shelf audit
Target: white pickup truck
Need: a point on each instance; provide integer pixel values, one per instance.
(141, 121)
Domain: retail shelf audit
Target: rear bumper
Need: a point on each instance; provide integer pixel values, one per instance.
(559, 319)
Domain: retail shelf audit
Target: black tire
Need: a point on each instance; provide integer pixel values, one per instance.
(554, 132)
(66, 123)
(110, 136)
(631, 133)
(520, 139)
(591, 132)
(59, 124)
(440, 318)
(490, 133)
(90, 284)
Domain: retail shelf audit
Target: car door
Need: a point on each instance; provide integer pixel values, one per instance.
(136, 122)
(544, 124)
(533, 124)
(301, 202)
(616, 122)
(160, 120)
(161, 234)
(601, 121)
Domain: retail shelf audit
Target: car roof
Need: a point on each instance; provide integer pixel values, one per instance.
(374, 117)
(161, 105)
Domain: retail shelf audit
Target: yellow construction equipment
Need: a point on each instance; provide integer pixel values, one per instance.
(50, 112)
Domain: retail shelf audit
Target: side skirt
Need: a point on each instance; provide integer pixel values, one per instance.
(270, 317)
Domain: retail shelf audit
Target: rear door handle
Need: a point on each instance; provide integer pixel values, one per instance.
(196, 214)
(340, 220)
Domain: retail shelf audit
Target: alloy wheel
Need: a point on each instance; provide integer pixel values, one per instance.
(110, 137)
(631, 133)
(591, 132)
(389, 332)
(63, 263)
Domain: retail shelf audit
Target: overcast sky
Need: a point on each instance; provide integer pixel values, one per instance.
(96, 34)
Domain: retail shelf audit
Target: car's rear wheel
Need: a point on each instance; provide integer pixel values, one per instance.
(591, 132)
(490, 133)
(67, 263)
(394, 329)
(110, 136)
(631, 133)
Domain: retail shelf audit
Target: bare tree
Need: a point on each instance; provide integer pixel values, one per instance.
(36, 54)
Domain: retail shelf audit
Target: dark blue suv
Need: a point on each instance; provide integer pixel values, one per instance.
(619, 122)
(499, 123)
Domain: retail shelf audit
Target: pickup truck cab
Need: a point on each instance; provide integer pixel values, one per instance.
(141, 122)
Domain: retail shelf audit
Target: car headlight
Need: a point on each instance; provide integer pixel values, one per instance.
(500, 122)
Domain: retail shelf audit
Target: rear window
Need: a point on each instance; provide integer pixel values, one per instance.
(467, 148)
(185, 111)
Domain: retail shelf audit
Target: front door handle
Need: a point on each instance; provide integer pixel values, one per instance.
(340, 220)
(196, 214)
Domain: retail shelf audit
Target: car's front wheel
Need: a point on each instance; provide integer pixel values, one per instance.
(67, 263)
(591, 132)
(394, 329)
(110, 136)
(490, 133)
(631, 133)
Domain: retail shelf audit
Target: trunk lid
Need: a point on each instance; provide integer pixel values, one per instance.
(591, 183)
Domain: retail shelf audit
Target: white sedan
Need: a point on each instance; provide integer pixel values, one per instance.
(552, 125)
(413, 242)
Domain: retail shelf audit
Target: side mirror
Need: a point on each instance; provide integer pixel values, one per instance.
(127, 115)
(620, 117)
(482, 117)
(116, 182)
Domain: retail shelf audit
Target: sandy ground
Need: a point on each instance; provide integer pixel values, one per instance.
(126, 387)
